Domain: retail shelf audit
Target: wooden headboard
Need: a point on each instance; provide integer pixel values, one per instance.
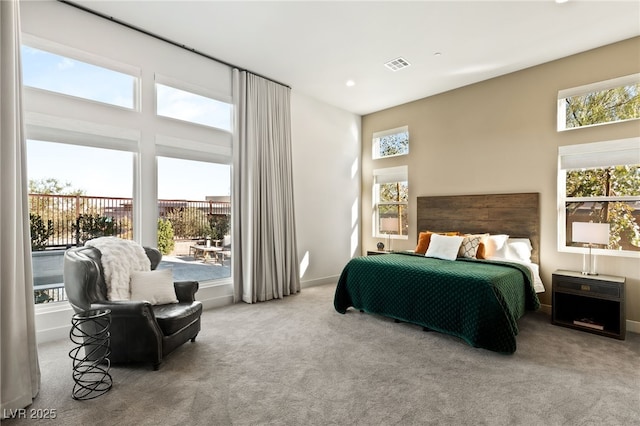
(517, 215)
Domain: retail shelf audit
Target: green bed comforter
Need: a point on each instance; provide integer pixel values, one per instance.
(479, 301)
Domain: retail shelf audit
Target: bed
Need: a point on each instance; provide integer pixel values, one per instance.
(476, 299)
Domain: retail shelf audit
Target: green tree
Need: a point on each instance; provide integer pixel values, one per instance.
(395, 144)
(52, 186)
(614, 181)
(189, 222)
(165, 236)
(219, 224)
(605, 106)
(90, 226)
(40, 232)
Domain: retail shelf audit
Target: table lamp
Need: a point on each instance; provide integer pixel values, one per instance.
(590, 233)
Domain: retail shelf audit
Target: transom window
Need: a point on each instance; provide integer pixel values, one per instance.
(391, 143)
(608, 101)
(391, 197)
(194, 108)
(61, 74)
(600, 183)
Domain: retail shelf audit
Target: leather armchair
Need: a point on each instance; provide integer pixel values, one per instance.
(140, 332)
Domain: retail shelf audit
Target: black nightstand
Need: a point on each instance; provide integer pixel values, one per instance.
(374, 252)
(592, 303)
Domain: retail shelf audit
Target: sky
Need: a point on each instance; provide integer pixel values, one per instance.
(103, 172)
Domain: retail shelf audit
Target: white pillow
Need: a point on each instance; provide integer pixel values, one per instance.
(444, 247)
(519, 249)
(156, 287)
(495, 246)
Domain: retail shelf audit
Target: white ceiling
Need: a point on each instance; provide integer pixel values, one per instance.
(315, 47)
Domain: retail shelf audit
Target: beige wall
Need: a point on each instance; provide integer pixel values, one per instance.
(500, 136)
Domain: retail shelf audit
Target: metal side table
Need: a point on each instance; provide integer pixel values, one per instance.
(90, 332)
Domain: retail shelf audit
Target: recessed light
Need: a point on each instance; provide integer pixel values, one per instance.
(350, 83)
(437, 54)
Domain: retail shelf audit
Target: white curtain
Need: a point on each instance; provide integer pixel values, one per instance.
(20, 372)
(264, 247)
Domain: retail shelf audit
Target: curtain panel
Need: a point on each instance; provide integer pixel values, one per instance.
(265, 252)
(19, 369)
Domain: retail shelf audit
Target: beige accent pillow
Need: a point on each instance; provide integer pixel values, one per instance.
(471, 244)
(156, 287)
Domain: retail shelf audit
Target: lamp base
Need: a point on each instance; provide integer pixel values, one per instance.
(589, 263)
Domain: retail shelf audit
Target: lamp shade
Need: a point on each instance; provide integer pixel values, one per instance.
(590, 233)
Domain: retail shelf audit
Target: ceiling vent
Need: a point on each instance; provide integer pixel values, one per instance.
(397, 64)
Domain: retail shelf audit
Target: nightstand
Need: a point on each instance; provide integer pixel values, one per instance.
(592, 303)
(374, 252)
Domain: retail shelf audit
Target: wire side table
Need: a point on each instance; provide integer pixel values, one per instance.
(90, 332)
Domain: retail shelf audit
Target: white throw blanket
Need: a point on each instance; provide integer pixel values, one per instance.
(120, 258)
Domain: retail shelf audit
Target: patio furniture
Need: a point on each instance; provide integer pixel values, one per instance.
(206, 253)
(140, 331)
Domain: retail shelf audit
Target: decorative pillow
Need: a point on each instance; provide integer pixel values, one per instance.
(425, 237)
(470, 244)
(156, 287)
(444, 246)
(495, 246)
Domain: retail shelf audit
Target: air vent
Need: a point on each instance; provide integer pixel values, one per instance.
(397, 64)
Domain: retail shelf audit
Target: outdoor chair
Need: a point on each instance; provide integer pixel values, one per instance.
(140, 331)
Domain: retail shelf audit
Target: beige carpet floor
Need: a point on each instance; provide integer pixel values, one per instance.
(297, 361)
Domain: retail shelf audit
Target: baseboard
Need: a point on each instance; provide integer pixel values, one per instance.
(545, 308)
(633, 326)
(319, 281)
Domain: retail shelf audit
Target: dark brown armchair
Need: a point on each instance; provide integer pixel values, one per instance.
(140, 332)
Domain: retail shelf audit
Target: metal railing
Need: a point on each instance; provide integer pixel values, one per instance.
(61, 221)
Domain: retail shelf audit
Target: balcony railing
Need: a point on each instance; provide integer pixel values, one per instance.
(59, 222)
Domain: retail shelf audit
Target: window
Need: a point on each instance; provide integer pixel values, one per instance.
(76, 193)
(391, 143)
(194, 218)
(61, 74)
(600, 183)
(599, 103)
(391, 196)
(188, 106)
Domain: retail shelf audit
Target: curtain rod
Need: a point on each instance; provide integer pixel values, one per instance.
(164, 39)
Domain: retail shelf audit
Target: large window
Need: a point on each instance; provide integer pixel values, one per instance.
(599, 103)
(194, 218)
(600, 183)
(76, 193)
(391, 196)
(391, 143)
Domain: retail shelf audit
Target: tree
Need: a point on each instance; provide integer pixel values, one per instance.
(620, 103)
(40, 232)
(165, 236)
(52, 186)
(395, 144)
(219, 224)
(614, 181)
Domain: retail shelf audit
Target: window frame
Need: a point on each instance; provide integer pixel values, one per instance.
(571, 157)
(591, 88)
(399, 172)
(375, 142)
